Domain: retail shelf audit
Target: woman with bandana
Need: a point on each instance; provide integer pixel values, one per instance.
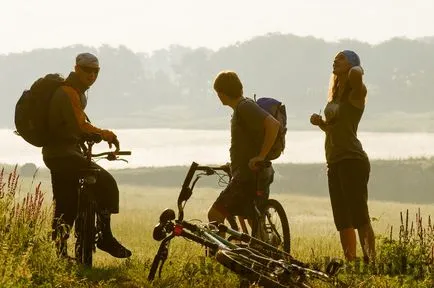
(348, 164)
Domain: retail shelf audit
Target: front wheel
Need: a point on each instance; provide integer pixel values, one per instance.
(272, 226)
(85, 233)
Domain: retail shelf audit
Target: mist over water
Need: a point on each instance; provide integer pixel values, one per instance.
(171, 147)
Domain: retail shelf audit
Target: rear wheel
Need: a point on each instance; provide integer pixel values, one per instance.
(273, 227)
(255, 271)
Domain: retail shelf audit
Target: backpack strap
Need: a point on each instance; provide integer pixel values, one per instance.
(87, 118)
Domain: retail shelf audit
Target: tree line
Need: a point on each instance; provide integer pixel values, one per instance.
(173, 87)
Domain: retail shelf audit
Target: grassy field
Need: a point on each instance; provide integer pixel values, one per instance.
(30, 259)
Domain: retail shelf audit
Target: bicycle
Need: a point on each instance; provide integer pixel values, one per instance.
(257, 261)
(265, 222)
(269, 222)
(87, 230)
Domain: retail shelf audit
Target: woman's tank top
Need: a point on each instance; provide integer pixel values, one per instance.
(341, 139)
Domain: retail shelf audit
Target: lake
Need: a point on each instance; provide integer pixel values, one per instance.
(169, 147)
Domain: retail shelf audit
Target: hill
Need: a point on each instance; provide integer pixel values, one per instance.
(173, 87)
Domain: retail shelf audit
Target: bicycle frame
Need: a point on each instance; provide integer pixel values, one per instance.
(202, 235)
(87, 232)
(169, 227)
(208, 237)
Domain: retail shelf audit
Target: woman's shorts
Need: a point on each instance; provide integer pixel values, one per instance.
(348, 188)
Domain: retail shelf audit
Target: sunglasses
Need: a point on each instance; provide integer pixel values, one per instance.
(89, 69)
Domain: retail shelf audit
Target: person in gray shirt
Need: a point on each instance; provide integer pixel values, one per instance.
(253, 132)
(347, 162)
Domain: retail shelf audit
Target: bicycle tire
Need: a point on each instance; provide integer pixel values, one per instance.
(254, 271)
(85, 244)
(257, 233)
(310, 275)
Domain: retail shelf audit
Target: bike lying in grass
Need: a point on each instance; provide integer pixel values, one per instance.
(251, 258)
(87, 230)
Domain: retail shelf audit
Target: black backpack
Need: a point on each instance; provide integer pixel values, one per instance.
(31, 110)
(278, 110)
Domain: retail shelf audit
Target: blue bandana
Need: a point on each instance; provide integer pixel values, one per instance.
(352, 57)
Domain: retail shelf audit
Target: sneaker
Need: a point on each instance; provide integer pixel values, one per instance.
(113, 247)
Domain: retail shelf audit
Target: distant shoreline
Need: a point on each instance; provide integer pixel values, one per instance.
(408, 180)
(372, 160)
(388, 122)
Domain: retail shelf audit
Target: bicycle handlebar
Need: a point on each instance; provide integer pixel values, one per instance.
(119, 153)
(187, 191)
(215, 168)
(111, 155)
(190, 175)
(195, 167)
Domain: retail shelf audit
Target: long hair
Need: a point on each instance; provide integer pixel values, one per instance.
(333, 87)
(354, 61)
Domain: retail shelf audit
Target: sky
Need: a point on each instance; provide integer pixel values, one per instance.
(148, 25)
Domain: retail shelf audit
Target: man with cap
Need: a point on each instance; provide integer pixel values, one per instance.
(63, 156)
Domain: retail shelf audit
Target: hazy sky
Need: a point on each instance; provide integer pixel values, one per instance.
(146, 25)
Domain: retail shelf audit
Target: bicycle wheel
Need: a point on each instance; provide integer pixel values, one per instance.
(86, 232)
(273, 227)
(255, 271)
(311, 278)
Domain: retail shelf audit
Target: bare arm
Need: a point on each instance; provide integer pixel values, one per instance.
(317, 120)
(324, 126)
(76, 119)
(271, 127)
(358, 91)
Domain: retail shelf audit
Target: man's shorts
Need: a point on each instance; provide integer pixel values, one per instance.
(239, 196)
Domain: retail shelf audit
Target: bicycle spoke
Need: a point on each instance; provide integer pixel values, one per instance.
(273, 227)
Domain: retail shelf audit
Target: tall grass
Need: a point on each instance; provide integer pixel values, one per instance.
(404, 254)
(27, 255)
(412, 254)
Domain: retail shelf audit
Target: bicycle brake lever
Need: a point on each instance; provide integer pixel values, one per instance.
(112, 156)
